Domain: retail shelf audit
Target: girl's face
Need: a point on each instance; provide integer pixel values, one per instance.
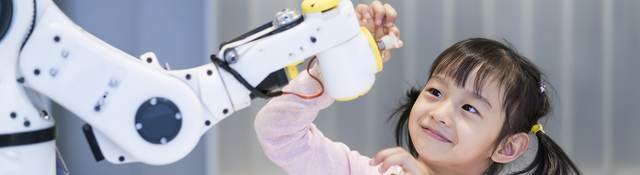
(453, 128)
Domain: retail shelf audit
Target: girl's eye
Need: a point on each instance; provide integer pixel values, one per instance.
(435, 92)
(470, 108)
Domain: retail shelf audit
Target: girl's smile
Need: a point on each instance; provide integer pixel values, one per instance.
(436, 135)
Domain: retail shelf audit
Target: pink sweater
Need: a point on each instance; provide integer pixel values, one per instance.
(290, 139)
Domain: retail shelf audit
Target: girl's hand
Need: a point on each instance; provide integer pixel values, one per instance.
(380, 20)
(399, 157)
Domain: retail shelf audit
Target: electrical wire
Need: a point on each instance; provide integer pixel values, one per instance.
(316, 95)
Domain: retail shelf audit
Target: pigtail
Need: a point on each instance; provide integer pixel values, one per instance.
(403, 139)
(550, 159)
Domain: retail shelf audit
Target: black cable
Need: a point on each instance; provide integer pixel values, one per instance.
(31, 27)
(257, 92)
(264, 27)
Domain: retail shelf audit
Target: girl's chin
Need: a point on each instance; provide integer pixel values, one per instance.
(433, 149)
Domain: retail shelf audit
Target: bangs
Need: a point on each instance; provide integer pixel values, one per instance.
(489, 62)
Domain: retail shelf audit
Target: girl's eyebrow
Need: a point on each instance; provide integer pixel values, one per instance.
(477, 95)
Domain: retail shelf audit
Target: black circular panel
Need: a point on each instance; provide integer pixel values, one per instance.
(6, 14)
(158, 120)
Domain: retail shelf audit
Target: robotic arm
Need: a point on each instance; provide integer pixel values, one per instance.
(138, 111)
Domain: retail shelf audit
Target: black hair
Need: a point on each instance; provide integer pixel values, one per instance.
(525, 100)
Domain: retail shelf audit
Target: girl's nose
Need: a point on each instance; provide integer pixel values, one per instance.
(443, 112)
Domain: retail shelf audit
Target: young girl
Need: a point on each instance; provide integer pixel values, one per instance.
(473, 116)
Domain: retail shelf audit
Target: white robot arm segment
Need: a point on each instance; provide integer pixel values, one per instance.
(138, 111)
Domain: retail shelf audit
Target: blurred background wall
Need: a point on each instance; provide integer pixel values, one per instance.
(586, 47)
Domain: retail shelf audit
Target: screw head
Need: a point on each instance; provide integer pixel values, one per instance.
(45, 115)
(138, 126)
(153, 101)
(225, 111)
(64, 53)
(163, 140)
(53, 72)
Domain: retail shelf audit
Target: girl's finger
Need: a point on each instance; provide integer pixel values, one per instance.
(386, 55)
(380, 156)
(370, 22)
(390, 15)
(378, 12)
(394, 30)
(362, 11)
(402, 159)
(379, 33)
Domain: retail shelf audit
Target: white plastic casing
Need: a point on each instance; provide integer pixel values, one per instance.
(80, 71)
(31, 159)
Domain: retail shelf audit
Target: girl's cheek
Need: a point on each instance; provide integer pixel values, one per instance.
(415, 117)
(479, 134)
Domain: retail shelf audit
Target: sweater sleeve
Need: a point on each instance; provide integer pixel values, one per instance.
(289, 138)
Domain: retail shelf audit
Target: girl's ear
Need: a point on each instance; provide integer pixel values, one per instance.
(511, 148)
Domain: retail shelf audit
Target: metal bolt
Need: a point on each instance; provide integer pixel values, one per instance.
(230, 55)
(45, 115)
(285, 17)
(138, 126)
(153, 101)
(163, 140)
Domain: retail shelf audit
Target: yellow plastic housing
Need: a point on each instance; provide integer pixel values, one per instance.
(374, 46)
(316, 6)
